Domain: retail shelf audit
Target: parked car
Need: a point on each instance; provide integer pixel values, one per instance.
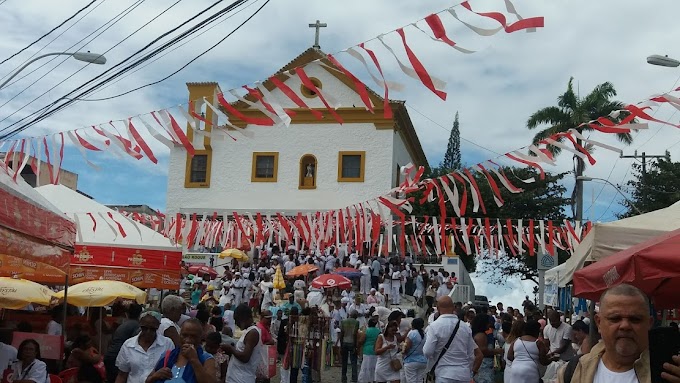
(481, 301)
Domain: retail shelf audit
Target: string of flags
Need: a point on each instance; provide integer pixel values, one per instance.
(421, 235)
(131, 136)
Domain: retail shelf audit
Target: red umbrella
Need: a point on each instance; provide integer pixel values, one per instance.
(331, 280)
(652, 266)
(202, 270)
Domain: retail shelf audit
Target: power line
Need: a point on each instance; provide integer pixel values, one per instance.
(163, 55)
(45, 46)
(46, 34)
(117, 18)
(172, 42)
(449, 130)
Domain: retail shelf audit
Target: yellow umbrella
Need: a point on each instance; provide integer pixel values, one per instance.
(16, 293)
(279, 282)
(234, 253)
(101, 293)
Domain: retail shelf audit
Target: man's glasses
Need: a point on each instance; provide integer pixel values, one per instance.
(148, 328)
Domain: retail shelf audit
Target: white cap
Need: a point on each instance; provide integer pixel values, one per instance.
(238, 273)
(344, 300)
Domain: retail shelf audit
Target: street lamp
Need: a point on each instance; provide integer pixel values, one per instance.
(88, 57)
(662, 61)
(584, 178)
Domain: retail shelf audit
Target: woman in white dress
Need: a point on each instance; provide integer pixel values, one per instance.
(516, 331)
(387, 349)
(527, 354)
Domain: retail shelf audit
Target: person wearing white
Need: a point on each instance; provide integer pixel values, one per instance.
(362, 310)
(29, 367)
(365, 278)
(528, 355)
(247, 354)
(8, 354)
(139, 354)
(443, 290)
(559, 335)
(288, 266)
(462, 358)
(172, 307)
(396, 284)
(54, 326)
(381, 295)
(238, 286)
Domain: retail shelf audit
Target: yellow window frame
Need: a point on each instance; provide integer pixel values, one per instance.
(362, 166)
(187, 174)
(253, 174)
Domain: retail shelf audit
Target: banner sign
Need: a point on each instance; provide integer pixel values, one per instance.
(144, 279)
(51, 346)
(126, 257)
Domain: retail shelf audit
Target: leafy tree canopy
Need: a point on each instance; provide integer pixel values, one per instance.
(657, 189)
(542, 199)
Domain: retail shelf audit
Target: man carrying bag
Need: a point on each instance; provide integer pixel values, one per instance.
(452, 353)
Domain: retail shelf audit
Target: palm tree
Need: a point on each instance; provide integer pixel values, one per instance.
(570, 112)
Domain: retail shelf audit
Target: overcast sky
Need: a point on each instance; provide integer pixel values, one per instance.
(495, 90)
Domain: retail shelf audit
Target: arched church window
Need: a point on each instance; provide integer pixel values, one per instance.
(308, 172)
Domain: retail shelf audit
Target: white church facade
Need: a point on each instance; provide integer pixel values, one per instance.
(311, 165)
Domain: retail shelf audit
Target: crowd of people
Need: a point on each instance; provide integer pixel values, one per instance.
(238, 327)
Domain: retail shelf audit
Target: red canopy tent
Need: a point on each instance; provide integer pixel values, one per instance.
(36, 238)
(653, 266)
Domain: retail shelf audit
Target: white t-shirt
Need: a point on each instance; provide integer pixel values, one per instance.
(8, 354)
(53, 328)
(556, 335)
(604, 375)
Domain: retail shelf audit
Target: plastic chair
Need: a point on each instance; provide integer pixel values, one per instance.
(69, 375)
(54, 378)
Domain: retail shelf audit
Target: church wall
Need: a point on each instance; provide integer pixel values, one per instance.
(329, 86)
(401, 157)
(231, 187)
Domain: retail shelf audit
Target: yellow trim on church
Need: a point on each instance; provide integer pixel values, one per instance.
(197, 91)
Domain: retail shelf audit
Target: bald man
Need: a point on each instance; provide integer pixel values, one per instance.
(623, 353)
(452, 364)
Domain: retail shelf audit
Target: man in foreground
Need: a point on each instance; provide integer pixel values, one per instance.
(623, 354)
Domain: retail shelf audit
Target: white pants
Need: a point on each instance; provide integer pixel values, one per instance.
(365, 284)
(396, 297)
(415, 372)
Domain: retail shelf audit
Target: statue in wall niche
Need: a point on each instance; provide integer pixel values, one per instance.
(310, 170)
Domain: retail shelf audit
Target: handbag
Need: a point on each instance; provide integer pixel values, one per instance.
(395, 363)
(430, 374)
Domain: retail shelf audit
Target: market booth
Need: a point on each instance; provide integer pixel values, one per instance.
(605, 239)
(653, 266)
(36, 238)
(110, 246)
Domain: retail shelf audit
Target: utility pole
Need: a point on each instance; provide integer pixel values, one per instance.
(644, 158)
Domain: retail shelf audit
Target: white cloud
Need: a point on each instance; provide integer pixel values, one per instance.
(495, 90)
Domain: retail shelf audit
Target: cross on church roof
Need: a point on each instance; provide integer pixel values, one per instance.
(318, 25)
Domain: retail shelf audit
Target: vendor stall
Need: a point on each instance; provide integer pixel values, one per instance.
(652, 266)
(36, 238)
(110, 246)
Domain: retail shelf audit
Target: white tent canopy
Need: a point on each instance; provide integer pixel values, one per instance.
(609, 238)
(87, 212)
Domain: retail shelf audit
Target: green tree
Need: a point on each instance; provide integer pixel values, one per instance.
(542, 199)
(452, 155)
(570, 112)
(657, 189)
